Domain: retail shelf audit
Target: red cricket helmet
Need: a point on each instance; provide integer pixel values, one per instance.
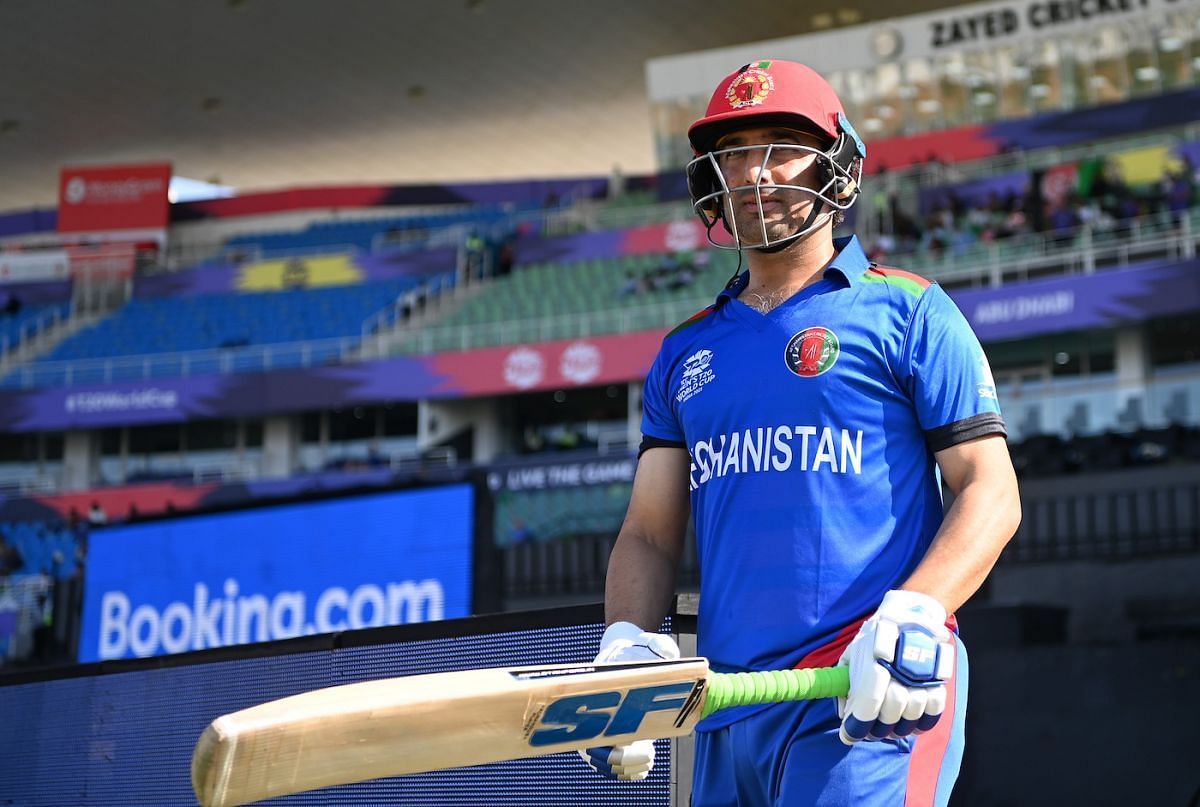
(783, 94)
(767, 93)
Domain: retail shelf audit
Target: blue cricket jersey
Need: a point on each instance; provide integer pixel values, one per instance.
(811, 431)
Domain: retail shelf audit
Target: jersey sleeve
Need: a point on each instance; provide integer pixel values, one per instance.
(660, 427)
(947, 375)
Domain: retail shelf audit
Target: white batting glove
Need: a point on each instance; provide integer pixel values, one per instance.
(624, 641)
(899, 664)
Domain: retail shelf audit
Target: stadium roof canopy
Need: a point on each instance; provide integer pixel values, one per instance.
(272, 93)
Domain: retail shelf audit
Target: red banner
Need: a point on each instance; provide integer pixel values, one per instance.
(120, 197)
(608, 359)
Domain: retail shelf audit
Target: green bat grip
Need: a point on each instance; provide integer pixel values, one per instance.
(775, 686)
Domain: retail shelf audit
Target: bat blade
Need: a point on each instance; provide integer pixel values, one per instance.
(420, 723)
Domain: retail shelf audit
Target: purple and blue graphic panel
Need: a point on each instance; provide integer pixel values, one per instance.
(1080, 302)
(1104, 299)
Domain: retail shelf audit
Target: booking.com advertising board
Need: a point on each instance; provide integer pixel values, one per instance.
(278, 572)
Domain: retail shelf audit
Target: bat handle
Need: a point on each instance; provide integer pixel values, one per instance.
(775, 686)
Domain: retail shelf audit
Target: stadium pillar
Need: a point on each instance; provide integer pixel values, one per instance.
(1132, 365)
(473, 427)
(281, 446)
(633, 420)
(81, 460)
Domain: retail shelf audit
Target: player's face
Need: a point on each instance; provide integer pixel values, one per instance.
(752, 161)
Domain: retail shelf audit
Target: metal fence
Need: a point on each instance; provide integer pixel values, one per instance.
(1105, 516)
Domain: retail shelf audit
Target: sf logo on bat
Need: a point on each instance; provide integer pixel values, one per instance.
(608, 714)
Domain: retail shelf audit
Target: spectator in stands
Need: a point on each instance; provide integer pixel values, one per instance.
(96, 515)
(475, 250)
(566, 437)
(506, 257)
(1179, 189)
(631, 286)
(1063, 220)
(533, 439)
(12, 306)
(684, 274)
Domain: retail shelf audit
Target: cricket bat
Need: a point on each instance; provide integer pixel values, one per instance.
(418, 723)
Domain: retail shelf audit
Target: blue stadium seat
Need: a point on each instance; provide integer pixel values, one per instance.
(177, 324)
(46, 548)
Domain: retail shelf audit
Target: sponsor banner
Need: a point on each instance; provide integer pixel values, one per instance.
(1102, 300)
(119, 197)
(548, 365)
(34, 267)
(677, 236)
(553, 475)
(271, 573)
(494, 371)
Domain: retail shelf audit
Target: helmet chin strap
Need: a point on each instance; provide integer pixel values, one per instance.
(784, 243)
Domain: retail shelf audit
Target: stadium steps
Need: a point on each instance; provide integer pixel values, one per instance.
(443, 305)
(48, 341)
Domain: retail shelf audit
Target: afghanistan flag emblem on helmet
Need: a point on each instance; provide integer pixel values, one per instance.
(812, 352)
(751, 86)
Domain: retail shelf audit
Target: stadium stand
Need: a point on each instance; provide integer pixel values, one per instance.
(16, 320)
(45, 548)
(542, 301)
(223, 324)
(364, 234)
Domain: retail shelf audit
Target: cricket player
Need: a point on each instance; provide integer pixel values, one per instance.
(801, 421)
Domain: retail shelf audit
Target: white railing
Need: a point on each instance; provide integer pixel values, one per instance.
(251, 358)
(1080, 250)
(430, 296)
(434, 458)
(31, 333)
(580, 325)
(1084, 405)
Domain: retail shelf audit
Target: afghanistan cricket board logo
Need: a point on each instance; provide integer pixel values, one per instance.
(812, 352)
(751, 87)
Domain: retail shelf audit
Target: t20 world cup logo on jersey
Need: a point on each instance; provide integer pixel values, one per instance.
(696, 373)
(812, 352)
